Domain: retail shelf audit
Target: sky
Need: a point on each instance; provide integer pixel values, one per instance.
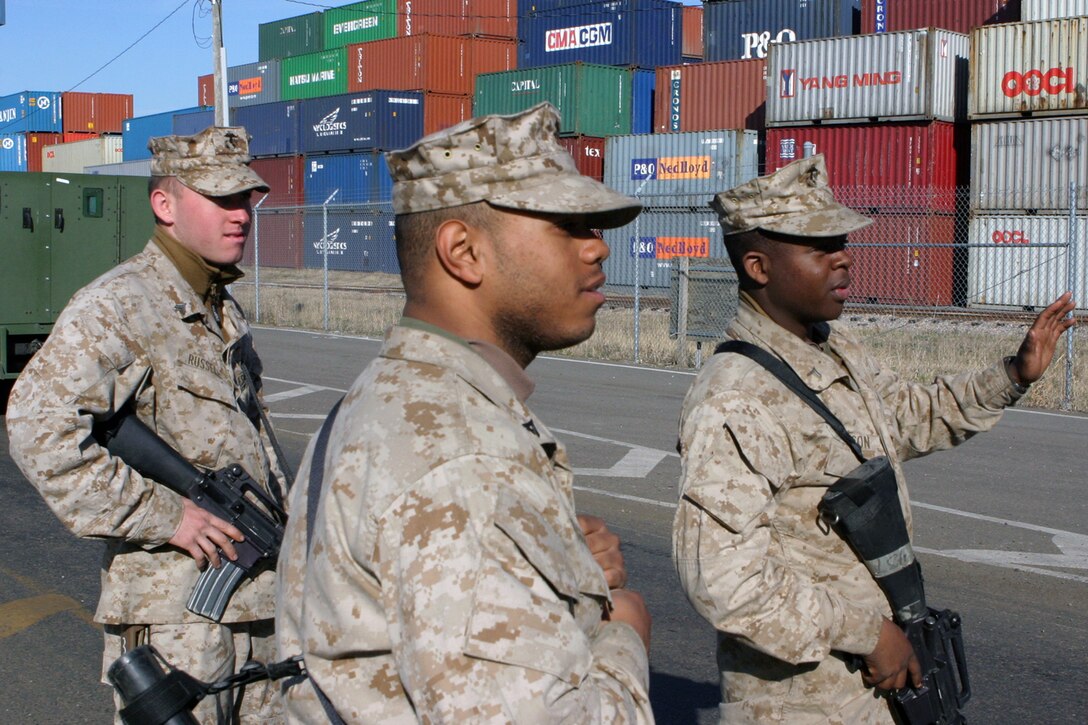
(53, 45)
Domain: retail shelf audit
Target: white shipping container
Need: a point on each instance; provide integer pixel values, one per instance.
(1029, 165)
(72, 158)
(1026, 68)
(1015, 270)
(137, 167)
(908, 75)
(1049, 9)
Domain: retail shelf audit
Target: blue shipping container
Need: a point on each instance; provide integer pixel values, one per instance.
(12, 152)
(643, 83)
(741, 29)
(646, 247)
(643, 33)
(34, 111)
(680, 169)
(361, 121)
(136, 132)
(360, 177)
(360, 240)
(188, 124)
(273, 128)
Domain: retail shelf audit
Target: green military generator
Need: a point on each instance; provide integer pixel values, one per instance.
(59, 231)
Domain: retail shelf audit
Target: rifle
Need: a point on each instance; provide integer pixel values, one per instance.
(864, 509)
(229, 493)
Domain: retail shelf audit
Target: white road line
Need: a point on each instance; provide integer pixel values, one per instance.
(299, 382)
(292, 393)
(300, 416)
(625, 497)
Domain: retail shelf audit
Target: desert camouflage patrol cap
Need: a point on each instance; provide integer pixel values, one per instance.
(513, 162)
(794, 200)
(214, 162)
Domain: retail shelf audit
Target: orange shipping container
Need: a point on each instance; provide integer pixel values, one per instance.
(691, 39)
(73, 137)
(588, 154)
(205, 90)
(496, 18)
(436, 63)
(442, 110)
(95, 112)
(710, 96)
(35, 144)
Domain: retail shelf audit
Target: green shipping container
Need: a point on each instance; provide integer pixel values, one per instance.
(289, 37)
(360, 22)
(594, 100)
(314, 75)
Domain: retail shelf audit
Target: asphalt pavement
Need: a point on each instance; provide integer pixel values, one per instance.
(1001, 524)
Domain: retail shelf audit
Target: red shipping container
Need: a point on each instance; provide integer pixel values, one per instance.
(710, 96)
(442, 110)
(95, 112)
(895, 262)
(284, 176)
(691, 36)
(436, 63)
(281, 240)
(495, 18)
(959, 15)
(588, 154)
(72, 137)
(35, 144)
(887, 165)
(205, 90)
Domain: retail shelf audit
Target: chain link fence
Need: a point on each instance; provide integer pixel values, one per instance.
(942, 280)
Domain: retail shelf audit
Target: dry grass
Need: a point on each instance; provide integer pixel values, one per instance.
(918, 349)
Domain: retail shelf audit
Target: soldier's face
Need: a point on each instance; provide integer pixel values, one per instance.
(808, 281)
(546, 289)
(213, 227)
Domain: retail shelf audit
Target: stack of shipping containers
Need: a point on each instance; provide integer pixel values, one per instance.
(1029, 142)
(36, 127)
(886, 110)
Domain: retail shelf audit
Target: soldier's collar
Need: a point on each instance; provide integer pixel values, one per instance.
(204, 278)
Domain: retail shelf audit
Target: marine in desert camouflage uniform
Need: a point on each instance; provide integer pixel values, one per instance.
(448, 578)
(788, 597)
(160, 335)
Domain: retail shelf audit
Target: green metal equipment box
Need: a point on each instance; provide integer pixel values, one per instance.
(59, 232)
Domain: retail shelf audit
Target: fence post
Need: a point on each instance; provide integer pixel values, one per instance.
(682, 313)
(1071, 280)
(257, 259)
(325, 257)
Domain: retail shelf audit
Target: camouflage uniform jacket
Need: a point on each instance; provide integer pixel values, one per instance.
(140, 333)
(786, 596)
(448, 580)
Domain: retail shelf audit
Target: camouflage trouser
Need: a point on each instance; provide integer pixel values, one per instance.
(208, 652)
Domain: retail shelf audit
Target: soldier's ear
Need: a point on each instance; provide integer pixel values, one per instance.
(162, 205)
(757, 265)
(458, 248)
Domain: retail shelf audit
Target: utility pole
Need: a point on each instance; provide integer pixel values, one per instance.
(219, 65)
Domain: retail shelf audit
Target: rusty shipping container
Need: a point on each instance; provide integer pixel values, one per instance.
(1021, 69)
(689, 97)
(275, 239)
(588, 154)
(95, 112)
(285, 176)
(691, 35)
(907, 259)
(442, 110)
(205, 90)
(910, 75)
(492, 18)
(435, 63)
(886, 16)
(1008, 266)
(36, 144)
(73, 157)
(1050, 9)
(1028, 165)
(889, 165)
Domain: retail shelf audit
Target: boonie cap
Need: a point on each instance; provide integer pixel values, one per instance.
(214, 162)
(794, 200)
(513, 162)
